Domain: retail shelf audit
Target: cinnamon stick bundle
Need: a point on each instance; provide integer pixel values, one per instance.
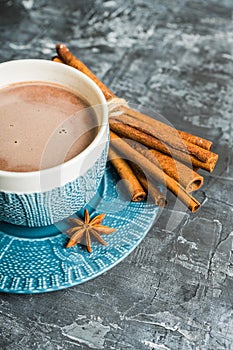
(158, 126)
(165, 145)
(163, 132)
(152, 142)
(127, 151)
(132, 184)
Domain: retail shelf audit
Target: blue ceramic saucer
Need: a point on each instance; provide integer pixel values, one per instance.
(42, 263)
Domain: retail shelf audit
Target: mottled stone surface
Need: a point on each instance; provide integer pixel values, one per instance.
(175, 291)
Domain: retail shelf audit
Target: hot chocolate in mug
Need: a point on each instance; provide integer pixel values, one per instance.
(45, 194)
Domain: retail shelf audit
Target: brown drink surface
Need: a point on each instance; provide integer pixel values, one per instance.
(42, 125)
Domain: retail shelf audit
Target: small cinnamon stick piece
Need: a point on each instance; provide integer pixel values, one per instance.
(125, 172)
(152, 190)
(57, 59)
(67, 57)
(152, 142)
(127, 151)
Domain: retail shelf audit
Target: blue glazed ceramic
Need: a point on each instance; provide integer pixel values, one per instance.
(43, 264)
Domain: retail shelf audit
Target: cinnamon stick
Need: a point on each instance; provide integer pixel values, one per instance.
(127, 151)
(186, 177)
(180, 172)
(132, 184)
(152, 142)
(152, 190)
(164, 132)
(187, 148)
(186, 137)
(67, 57)
(196, 140)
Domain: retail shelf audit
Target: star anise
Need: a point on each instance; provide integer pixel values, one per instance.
(83, 231)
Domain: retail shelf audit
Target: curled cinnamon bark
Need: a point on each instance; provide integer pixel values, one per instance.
(132, 184)
(127, 151)
(180, 172)
(152, 142)
(188, 178)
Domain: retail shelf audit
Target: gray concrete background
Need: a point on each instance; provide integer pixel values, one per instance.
(175, 291)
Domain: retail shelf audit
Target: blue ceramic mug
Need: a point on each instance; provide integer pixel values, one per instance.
(44, 197)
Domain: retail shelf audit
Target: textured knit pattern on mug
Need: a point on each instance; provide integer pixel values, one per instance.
(22, 209)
